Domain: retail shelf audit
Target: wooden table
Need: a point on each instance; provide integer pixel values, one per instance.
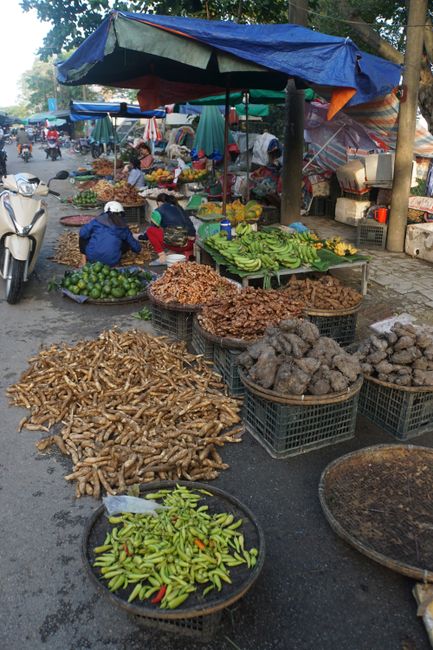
(203, 257)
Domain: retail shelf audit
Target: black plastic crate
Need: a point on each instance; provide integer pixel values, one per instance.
(201, 628)
(371, 234)
(405, 414)
(135, 214)
(201, 345)
(340, 328)
(225, 361)
(168, 322)
(287, 430)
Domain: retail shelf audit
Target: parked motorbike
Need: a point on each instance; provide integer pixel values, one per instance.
(23, 221)
(82, 146)
(97, 149)
(25, 154)
(3, 159)
(52, 149)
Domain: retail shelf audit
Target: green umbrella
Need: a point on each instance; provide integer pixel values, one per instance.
(256, 96)
(210, 131)
(103, 133)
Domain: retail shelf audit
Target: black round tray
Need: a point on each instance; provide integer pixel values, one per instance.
(242, 577)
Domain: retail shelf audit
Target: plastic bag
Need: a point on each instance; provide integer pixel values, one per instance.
(123, 503)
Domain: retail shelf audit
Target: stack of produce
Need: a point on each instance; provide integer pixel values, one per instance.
(340, 247)
(120, 191)
(85, 199)
(403, 356)
(248, 313)
(131, 407)
(160, 176)
(293, 359)
(103, 167)
(253, 251)
(153, 193)
(151, 558)
(189, 175)
(189, 283)
(68, 252)
(326, 293)
(236, 212)
(98, 281)
(104, 190)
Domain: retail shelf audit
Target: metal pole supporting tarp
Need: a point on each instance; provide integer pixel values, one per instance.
(247, 99)
(226, 141)
(333, 136)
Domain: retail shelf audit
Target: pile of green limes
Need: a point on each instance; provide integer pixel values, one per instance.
(99, 281)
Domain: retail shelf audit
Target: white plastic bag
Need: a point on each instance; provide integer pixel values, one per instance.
(123, 503)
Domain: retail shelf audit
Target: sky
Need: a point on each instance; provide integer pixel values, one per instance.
(21, 37)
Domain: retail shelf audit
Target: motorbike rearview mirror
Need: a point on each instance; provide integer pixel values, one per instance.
(61, 175)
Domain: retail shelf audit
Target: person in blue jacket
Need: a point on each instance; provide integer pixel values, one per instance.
(107, 237)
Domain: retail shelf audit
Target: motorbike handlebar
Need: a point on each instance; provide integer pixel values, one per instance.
(54, 193)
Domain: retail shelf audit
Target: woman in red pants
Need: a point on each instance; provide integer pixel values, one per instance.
(170, 228)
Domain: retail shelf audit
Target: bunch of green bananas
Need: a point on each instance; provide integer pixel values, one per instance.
(269, 251)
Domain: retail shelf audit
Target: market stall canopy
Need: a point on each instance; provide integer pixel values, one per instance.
(171, 59)
(254, 110)
(98, 110)
(255, 96)
(48, 115)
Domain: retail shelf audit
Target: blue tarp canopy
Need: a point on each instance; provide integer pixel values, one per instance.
(98, 110)
(167, 57)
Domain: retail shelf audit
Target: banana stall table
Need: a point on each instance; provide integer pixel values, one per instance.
(203, 257)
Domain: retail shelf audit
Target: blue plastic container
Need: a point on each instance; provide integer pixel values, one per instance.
(226, 226)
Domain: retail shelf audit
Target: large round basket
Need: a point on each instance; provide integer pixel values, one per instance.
(173, 306)
(300, 400)
(404, 389)
(76, 220)
(196, 606)
(330, 313)
(224, 342)
(378, 500)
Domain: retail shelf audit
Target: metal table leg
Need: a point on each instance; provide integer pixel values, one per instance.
(364, 279)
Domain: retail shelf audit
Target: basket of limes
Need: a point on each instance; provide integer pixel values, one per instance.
(100, 284)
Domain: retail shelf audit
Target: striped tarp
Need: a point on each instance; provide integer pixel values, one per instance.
(381, 119)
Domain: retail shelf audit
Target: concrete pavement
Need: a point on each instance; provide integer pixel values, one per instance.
(315, 592)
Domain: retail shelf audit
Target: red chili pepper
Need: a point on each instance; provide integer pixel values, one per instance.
(200, 544)
(159, 596)
(126, 549)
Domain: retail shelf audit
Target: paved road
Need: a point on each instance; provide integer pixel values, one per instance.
(315, 593)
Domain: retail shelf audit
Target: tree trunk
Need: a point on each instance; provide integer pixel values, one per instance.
(298, 12)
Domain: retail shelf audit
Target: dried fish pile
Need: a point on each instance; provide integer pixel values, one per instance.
(189, 283)
(67, 252)
(248, 313)
(134, 408)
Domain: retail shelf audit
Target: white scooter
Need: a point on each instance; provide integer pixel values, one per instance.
(23, 221)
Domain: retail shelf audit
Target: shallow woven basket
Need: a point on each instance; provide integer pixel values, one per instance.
(223, 341)
(378, 499)
(300, 400)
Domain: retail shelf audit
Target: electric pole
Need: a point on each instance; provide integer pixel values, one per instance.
(406, 125)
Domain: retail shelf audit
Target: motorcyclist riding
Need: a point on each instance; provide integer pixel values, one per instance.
(53, 134)
(23, 138)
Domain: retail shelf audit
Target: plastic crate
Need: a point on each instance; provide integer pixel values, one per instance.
(225, 361)
(201, 345)
(135, 214)
(402, 413)
(371, 234)
(288, 430)
(201, 628)
(340, 328)
(168, 322)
